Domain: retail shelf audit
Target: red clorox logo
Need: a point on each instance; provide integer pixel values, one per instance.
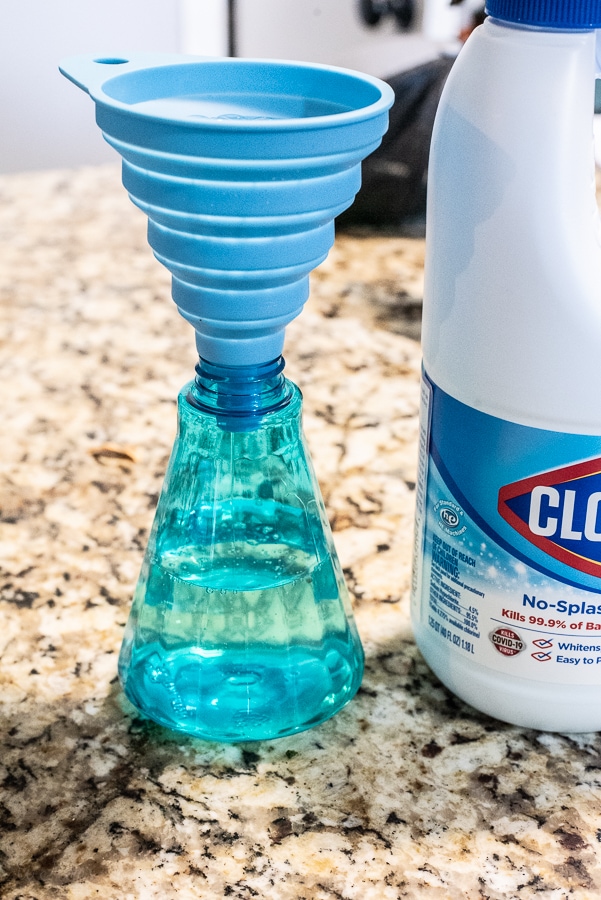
(560, 513)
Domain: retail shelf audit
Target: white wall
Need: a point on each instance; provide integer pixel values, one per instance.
(45, 122)
(332, 32)
(204, 27)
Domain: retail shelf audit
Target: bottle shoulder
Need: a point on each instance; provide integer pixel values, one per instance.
(512, 298)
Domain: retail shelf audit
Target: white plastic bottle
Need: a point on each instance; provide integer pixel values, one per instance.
(506, 601)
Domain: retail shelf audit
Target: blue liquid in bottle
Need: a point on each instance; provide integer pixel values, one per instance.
(241, 627)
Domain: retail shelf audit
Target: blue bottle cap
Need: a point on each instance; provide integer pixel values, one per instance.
(558, 14)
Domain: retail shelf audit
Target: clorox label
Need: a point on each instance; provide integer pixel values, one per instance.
(507, 557)
(559, 512)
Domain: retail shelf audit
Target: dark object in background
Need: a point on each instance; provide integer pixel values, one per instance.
(373, 11)
(394, 176)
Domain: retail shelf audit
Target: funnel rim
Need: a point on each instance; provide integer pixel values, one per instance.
(293, 123)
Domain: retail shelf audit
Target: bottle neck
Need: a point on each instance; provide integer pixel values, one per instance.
(240, 396)
(526, 26)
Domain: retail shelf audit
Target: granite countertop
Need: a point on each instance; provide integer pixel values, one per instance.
(407, 792)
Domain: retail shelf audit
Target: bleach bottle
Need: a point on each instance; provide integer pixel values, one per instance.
(506, 593)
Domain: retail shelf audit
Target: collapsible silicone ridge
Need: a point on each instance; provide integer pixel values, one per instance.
(241, 166)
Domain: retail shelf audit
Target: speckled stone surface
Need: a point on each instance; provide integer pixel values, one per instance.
(407, 792)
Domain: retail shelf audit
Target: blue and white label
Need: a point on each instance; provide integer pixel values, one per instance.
(507, 559)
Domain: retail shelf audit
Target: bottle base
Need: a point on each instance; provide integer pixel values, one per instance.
(240, 697)
(530, 704)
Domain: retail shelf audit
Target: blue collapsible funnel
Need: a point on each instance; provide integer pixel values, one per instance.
(241, 166)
